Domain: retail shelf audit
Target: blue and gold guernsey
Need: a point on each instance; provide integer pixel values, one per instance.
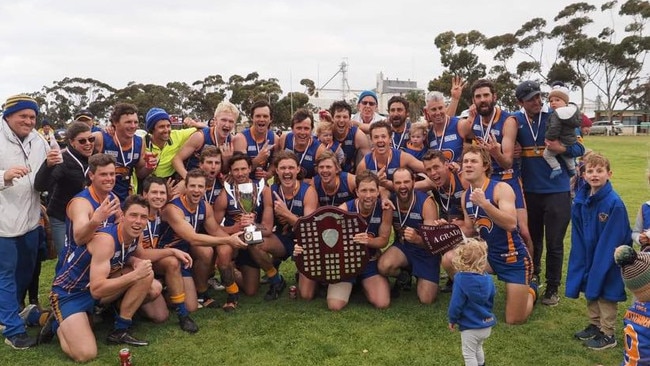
(306, 158)
(399, 139)
(495, 129)
(449, 143)
(209, 139)
(373, 220)
(393, 162)
(424, 264)
(126, 160)
(349, 149)
(449, 199)
(417, 153)
(412, 218)
(636, 342)
(74, 275)
(253, 147)
(342, 194)
(212, 191)
(512, 175)
(296, 205)
(506, 249)
(535, 171)
(196, 217)
(70, 245)
(151, 233)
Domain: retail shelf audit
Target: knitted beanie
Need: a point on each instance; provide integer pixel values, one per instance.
(18, 103)
(154, 116)
(560, 91)
(635, 268)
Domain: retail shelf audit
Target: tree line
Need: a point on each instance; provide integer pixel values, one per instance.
(570, 48)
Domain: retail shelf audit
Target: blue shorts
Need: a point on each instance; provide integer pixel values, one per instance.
(244, 259)
(425, 265)
(65, 305)
(514, 267)
(287, 243)
(370, 270)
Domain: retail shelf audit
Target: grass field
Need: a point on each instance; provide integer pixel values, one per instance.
(294, 332)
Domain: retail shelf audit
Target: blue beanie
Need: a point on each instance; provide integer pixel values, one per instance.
(18, 103)
(367, 93)
(153, 116)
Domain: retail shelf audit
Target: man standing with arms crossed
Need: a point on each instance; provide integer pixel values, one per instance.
(548, 201)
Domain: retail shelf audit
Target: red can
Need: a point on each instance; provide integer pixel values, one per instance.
(125, 357)
(293, 292)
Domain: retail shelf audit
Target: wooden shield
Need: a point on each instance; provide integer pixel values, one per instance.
(440, 239)
(329, 254)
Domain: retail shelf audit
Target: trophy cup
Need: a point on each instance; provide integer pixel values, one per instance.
(248, 196)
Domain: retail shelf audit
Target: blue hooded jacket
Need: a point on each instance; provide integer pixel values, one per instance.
(599, 224)
(471, 302)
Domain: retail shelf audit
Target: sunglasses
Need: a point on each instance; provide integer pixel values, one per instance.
(83, 141)
(365, 102)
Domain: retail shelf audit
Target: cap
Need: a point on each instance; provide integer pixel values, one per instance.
(367, 93)
(154, 116)
(45, 123)
(83, 114)
(635, 268)
(526, 90)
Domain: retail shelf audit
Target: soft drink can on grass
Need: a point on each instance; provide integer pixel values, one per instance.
(125, 357)
(293, 292)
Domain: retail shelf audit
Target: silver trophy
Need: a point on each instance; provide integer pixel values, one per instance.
(248, 198)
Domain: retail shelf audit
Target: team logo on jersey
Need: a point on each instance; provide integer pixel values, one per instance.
(483, 223)
(602, 217)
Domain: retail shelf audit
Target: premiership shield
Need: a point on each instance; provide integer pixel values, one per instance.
(329, 254)
(440, 239)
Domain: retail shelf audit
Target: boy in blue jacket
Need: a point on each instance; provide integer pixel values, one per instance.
(599, 224)
(472, 299)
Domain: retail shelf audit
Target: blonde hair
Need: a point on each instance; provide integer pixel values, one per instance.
(420, 126)
(324, 126)
(471, 256)
(226, 106)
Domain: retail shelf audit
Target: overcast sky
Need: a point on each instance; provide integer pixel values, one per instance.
(160, 41)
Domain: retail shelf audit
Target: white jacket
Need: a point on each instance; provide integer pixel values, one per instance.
(19, 203)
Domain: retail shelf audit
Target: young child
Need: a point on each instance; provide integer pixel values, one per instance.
(641, 230)
(599, 224)
(635, 268)
(471, 301)
(416, 145)
(561, 125)
(325, 136)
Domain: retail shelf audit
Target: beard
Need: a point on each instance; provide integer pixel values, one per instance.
(486, 109)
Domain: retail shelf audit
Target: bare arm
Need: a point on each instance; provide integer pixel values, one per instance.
(86, 220)
(361, 142)
(410, 161)
(505, 215)
(174, 217)
(102, 249)
(239, 143)
(190, 146)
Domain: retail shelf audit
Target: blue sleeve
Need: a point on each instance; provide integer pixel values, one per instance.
(575, 150)
(457, 302)
(616, 232)
(577, 262)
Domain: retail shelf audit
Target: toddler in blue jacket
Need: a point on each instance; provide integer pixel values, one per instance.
(472, 299)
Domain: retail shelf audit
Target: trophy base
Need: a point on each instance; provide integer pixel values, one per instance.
(253, 236)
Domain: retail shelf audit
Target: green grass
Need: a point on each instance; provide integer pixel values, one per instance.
(294, 332)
